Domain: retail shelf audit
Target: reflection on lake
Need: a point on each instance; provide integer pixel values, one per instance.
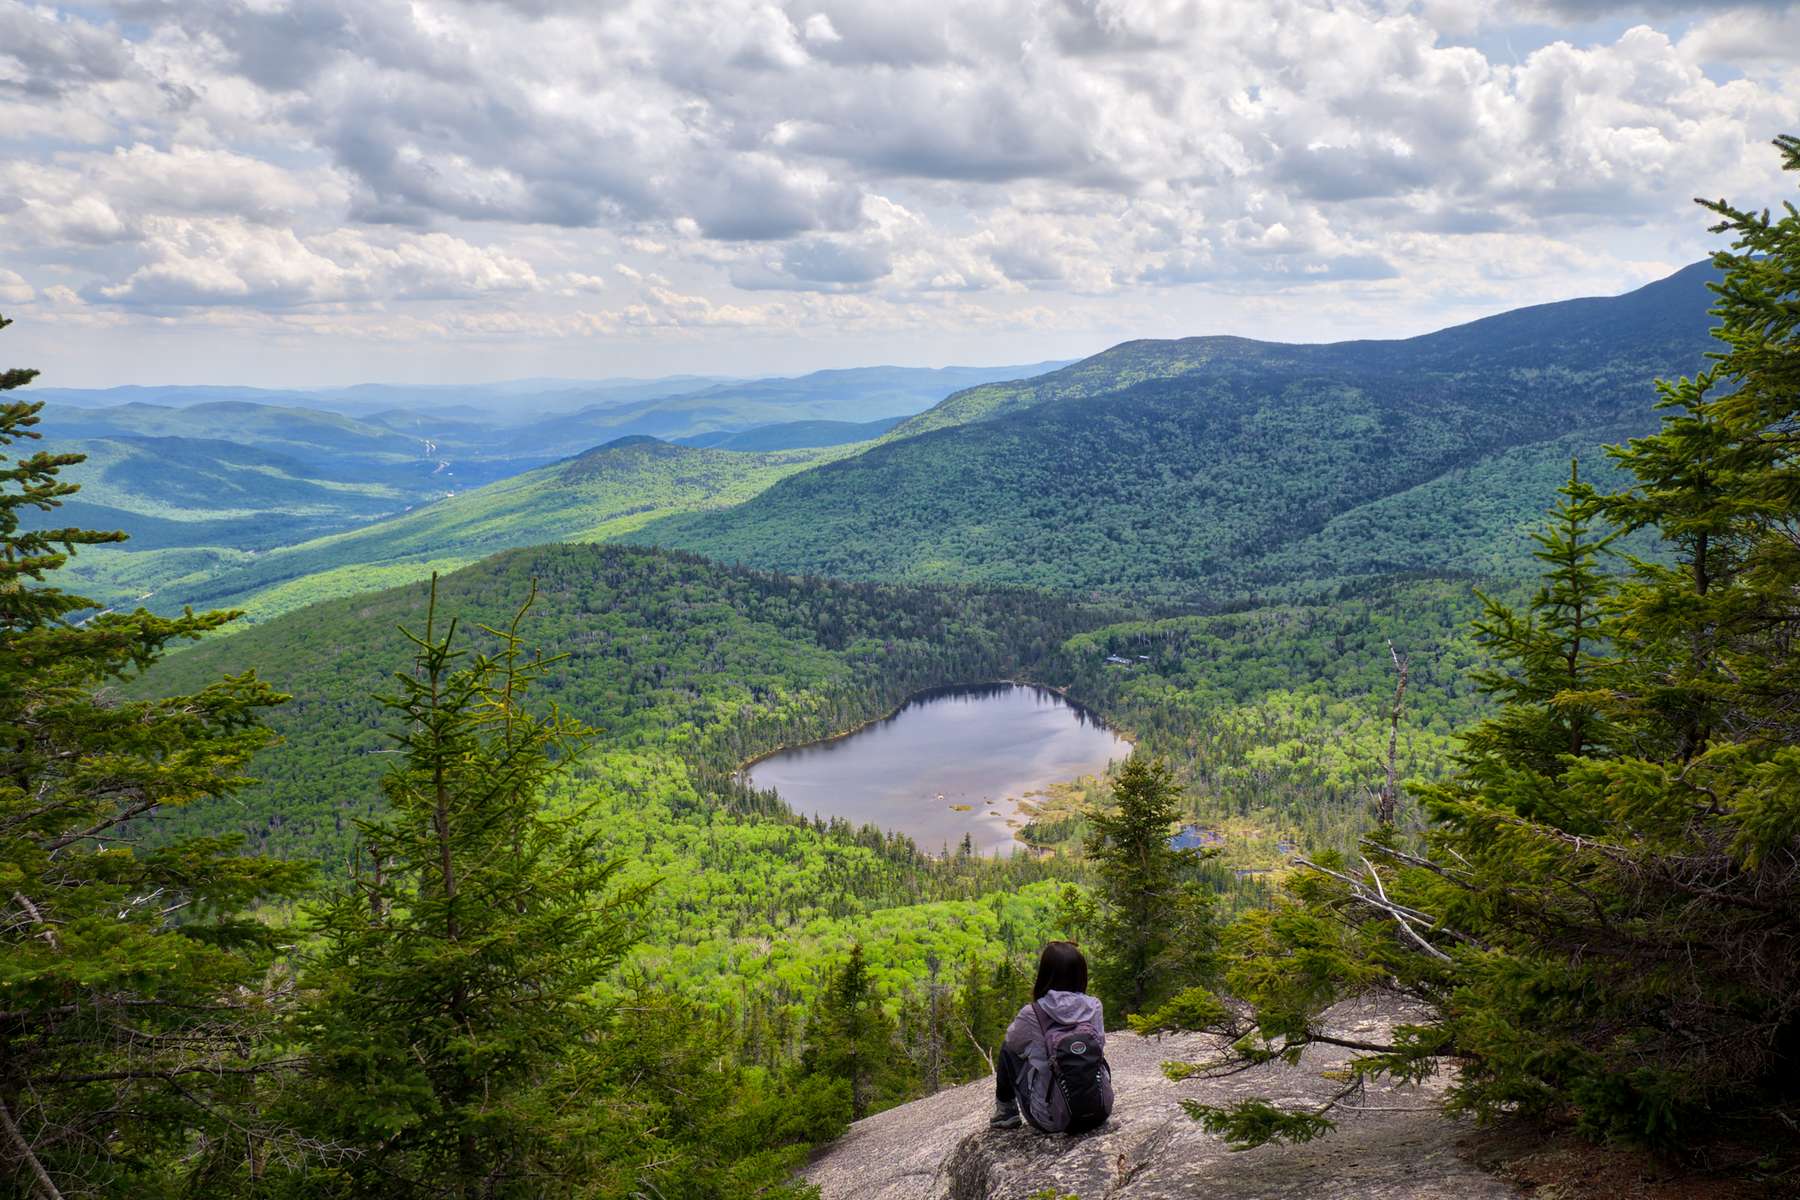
(979, 749)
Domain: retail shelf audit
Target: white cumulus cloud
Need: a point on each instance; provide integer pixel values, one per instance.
(817, 167)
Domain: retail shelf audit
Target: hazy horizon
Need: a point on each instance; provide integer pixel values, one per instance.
(552, 383)
(522, 384)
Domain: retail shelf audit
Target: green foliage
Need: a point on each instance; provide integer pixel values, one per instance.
(132, 980)
(1600, 922)
(1197, 469)
(1190, 1008)
(850, 1038)
(1251, 1123)
(1476, 521)
(592, 497)
(1275, 719)
(449, 1006)
(1153, 923)
(685, 1121)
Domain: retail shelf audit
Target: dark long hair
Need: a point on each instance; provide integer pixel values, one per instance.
(1061, 968)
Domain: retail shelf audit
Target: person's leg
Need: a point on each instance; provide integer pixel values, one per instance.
(1006, 1101)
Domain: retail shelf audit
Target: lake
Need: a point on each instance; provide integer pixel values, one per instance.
(978, 749)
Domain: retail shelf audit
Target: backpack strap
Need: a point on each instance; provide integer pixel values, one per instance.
(1049, 1051)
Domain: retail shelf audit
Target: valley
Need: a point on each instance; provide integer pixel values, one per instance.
(1208, 543)
(1212, 552)
(228, 493)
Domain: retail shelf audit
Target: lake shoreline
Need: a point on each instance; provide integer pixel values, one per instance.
(980, 750)
(784, 747)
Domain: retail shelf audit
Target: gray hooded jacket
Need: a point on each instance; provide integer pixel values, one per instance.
(1042, 1103)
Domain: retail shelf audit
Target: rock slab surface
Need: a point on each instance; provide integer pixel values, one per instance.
(940, 1148)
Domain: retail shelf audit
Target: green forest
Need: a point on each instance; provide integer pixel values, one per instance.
(269, 500)
(1459, 670)
(1213, 469)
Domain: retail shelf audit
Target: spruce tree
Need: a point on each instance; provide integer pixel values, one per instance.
(851, 1039)
(1603, 923)
(450, 1004)
(135, 994)
(1152, 920)
(1548, 656)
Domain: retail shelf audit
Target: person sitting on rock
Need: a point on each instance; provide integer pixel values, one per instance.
(1052, 1069)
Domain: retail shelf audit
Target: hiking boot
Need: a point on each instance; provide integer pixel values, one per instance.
(1006, 1115)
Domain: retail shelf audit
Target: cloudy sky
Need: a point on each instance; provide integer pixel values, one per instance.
(310, 192)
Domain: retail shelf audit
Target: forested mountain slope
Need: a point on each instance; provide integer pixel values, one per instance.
(1212, 466)
(1588, 338)
(591, 497)
(703, 663)
(794, 435)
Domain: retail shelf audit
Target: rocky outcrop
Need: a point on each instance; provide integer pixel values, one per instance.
(1395, 1146)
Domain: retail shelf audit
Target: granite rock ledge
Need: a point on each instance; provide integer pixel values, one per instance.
(940, 1148)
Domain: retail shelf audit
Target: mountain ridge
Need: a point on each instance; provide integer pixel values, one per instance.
(1464, 343)
(1182, 469)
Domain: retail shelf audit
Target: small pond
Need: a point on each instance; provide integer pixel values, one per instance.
(951, 762)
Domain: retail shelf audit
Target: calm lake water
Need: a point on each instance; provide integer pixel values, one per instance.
(981, 748)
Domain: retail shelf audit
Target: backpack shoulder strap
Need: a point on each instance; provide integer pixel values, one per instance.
(1043, 1020)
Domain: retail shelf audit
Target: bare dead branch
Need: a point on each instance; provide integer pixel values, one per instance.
(282, 1064)
(31, 910)
(1388, 801)
(1402, 915)
(42, 1184)
(1449, 874)
(976, 1042)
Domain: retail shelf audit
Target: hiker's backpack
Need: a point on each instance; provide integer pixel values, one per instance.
(1079, 1095)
